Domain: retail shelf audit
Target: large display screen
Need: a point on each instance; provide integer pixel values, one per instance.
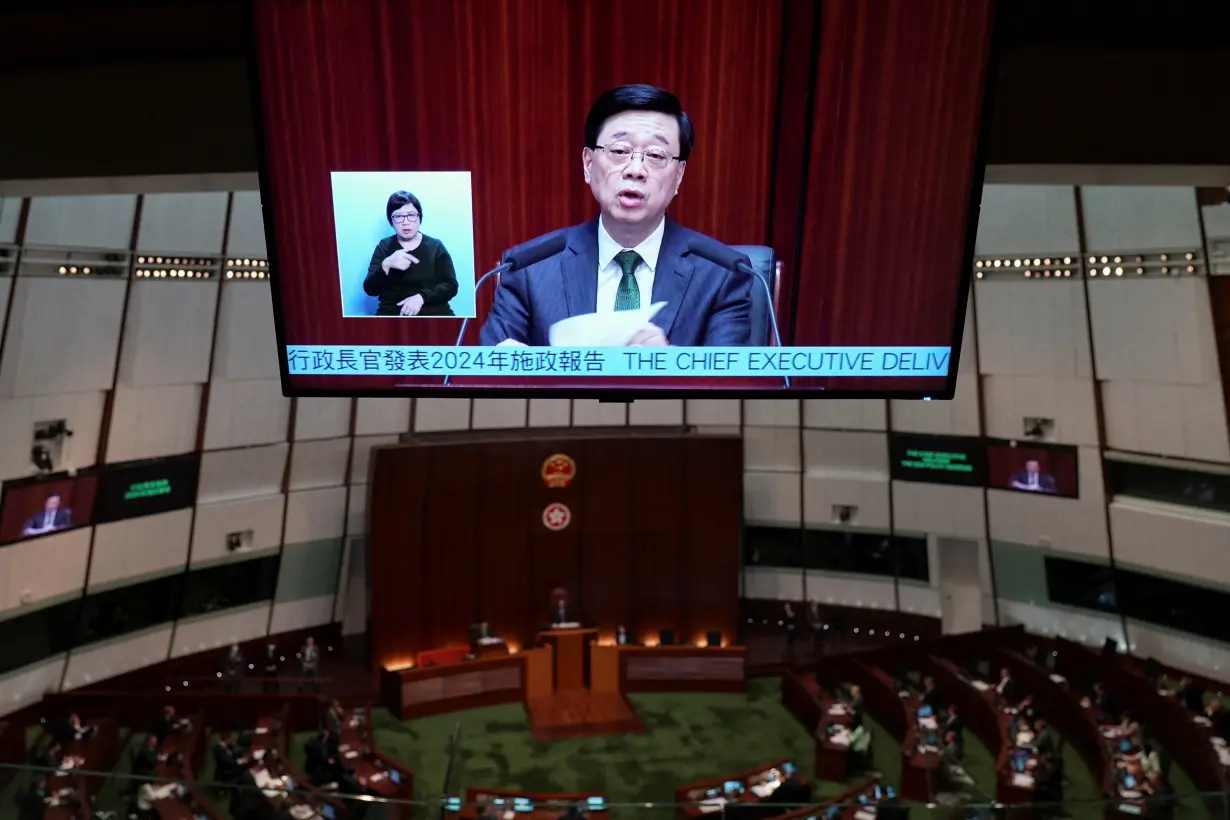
(137, 488)
(1027, 466)
(633, 198)
(45, 505)
(937, 459)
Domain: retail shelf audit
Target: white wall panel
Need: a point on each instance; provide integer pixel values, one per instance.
(1196, 541)
(1009, 400)
(317, 418)
(314, 515)
(491, 414)
(103, 222)
(822, 494)
(433, 415)
(212, 631)
(356, 510)
(242, 473)
(245, 345)
(360, 457)
(1154, 330)
(713, 412)
(917, 599)
(317, 464)
(772, 498)
(648, 413)
(1033, 328)
(82, 411)
(1140, 218)
(773, 584)
(98, 662)
(846, 454)
(592, 413)
(44, 354)
(842, 589)
(845, 414)
(381, 416)
(10, 218)
(958, 417)
(1179, 651)
(550, 412)
(771, 412)
(1187, 421)
(147, 422)
(47, 567)
(1027, 219)
(247, 231)
(1069, 525)
(168, 333)
(183, 223)
(140, 546)
(302, 614)
(242, 414)
(938, 509)
(263, 516)
(27, 685)
(773, 449)
(1085, 628)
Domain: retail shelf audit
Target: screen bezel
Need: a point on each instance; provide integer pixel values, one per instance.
(965, 276)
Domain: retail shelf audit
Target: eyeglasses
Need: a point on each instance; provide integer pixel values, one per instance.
(404, 218)
(621, 153)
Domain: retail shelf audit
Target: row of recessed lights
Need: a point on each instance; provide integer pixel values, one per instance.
(246, 263)
(1165, 270)
(245, 274)
(73, 270)
(1024, 262)
(1038, 274)
(174, 273)
(176, 261)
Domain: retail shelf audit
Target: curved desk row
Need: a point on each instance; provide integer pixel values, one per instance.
(420, 692)
(756, 785)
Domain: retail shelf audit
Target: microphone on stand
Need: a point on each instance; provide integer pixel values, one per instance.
(727, 257)
(516, 258)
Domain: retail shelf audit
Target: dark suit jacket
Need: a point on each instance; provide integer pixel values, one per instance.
(705, 304)
(1046, 481)
(63, 519)
(1008, 692)
(432, 277)
(163, 727)
(144, 760)
(561, 616)
(954, 725)
(226, 764)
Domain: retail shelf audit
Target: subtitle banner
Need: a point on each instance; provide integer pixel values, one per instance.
(608, 362)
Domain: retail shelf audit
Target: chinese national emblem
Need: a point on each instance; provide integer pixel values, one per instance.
(558, 471)
(556, 516)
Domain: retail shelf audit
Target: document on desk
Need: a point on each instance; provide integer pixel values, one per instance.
(980, 686)
(864, 814)
(602, 329)
(1060, 679)
(1024, 781)
(763, 790)
(712, 804)
(928, 723)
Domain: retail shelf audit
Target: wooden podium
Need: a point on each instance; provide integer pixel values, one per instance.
(571, 650)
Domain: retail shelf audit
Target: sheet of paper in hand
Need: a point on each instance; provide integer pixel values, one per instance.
(602, 329)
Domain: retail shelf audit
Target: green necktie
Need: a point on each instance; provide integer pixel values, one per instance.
(628, 297)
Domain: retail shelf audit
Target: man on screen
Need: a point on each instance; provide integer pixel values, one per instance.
(637, 143)
(1033, 479)
(52, 517)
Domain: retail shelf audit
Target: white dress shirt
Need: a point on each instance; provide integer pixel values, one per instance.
(609, 272)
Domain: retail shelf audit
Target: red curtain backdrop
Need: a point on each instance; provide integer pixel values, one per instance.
(501, 90)
(455, 536)
(1005, 460)
(898, 106)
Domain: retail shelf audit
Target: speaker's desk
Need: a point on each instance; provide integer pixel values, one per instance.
(571, 656)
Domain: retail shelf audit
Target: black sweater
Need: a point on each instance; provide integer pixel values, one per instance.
(432, 277)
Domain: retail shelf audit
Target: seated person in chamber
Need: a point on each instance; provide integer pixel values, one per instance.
(1006, 688)
(1033, 479)
(52, 517)
(622, 638)
(74, 729)
(167, 723)
(638, 140)
(930, 697)
(411, 273)
(145, 759)
(229, 764)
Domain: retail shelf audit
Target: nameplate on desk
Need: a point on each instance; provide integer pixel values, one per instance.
(863, 814)
(461, 684)
(979, 685)
(1060, 679)
(653, 667)
(566, 625)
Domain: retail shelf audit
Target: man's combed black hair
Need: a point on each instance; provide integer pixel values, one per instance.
(639, 98)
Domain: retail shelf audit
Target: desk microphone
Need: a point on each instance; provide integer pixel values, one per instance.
(516, 258)
(727, 257)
